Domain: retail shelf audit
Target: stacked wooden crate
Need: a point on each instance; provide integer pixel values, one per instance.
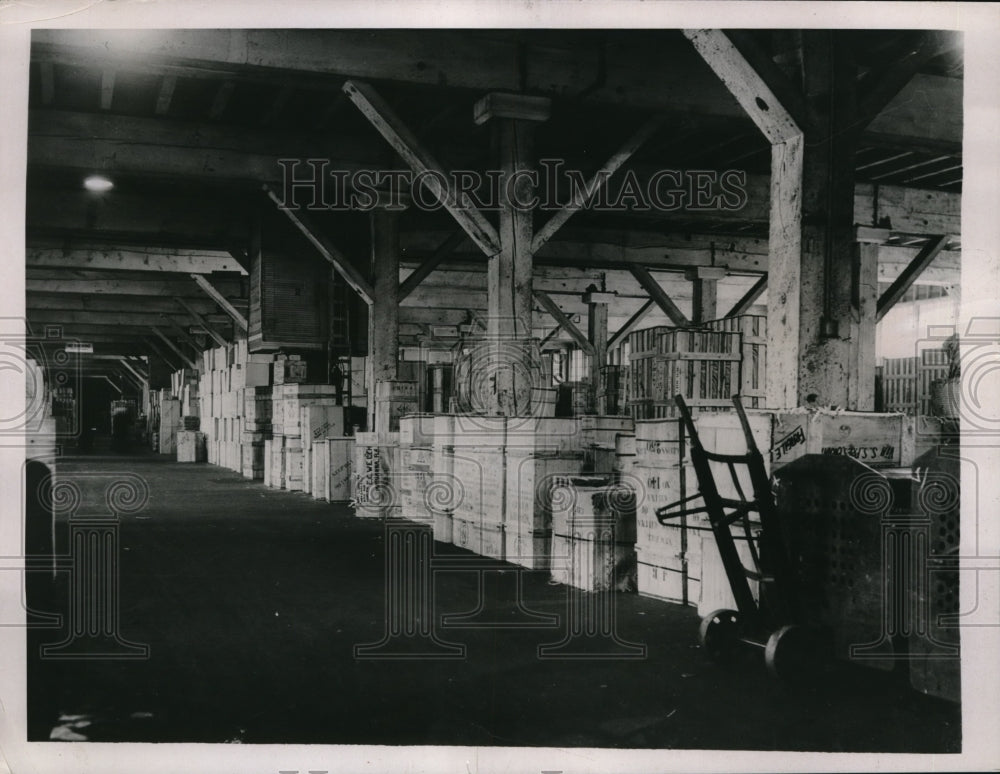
(170, 422)
(531, 477)
(331, 469)
(668, 558)
(256, 430)
(598, 438)
(593, 535)
(191, 446)
(478, 463)
(443, 472)
(288, 444)
(753, 355)
(374, 468)
(541, 452)
(418, 499)
(184, 385)
(701, 365)
(319, 419)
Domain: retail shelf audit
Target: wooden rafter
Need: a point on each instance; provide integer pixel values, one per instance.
(216, 336)
(221, 300)
(903, 282)
(166, 94)
(619, 336)
(420, 273)
(749, 298)
(658, 294)
(750, 90)
(582, 195)
(173, 347)
(326, 248)
(107, 88)
(564, 322)
(396, 133)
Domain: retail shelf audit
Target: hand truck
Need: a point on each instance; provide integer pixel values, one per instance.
(770, 624)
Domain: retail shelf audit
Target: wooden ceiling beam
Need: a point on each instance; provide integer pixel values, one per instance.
(107, 88)
(427, 266)
(563, 321)
(174, 348)
(405, 143)
(121, 287)
(149, 259)
(221, 300)
(72, 317)
(582, 195)
(749, 298)
(651, 75)
(330, 252)
(903, 282)
(108, 303)
(747, 86)
(631, 324)
(658, 294)
(166, 94)
(217, 337)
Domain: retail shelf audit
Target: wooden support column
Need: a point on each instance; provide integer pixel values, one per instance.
(861, 384)
(509, 271)
(597, 331)
(383, 314)
(705, 283)
(828, 283)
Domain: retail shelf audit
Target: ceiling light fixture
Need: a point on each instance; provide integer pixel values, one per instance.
(98, 184)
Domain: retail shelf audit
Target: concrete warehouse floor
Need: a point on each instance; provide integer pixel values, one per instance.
(251, 601)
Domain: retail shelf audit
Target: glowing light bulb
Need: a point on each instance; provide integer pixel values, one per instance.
(98, 184)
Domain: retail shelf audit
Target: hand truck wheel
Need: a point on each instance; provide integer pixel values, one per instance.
(719, 634)
(793, 652)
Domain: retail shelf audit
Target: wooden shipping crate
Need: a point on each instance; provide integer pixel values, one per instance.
(529, 481)
(444, 524)
(543, 434)
(531, 549)
(593, 509)
(592, 565)
(877, 440)
(753, 355)
(655, 581)
(191, 446)
(417, 430)
(482, 539)
(318, 421)
(481, 474)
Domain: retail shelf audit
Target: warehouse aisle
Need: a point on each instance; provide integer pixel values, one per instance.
(251, 601)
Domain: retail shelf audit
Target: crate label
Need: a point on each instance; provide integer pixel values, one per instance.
(789, 442)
